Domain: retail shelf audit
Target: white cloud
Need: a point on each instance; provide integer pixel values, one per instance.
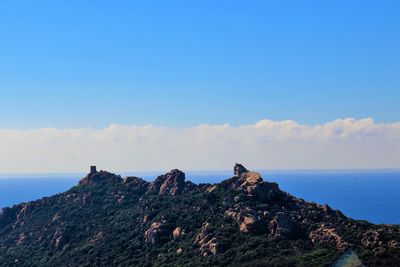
(343, 143)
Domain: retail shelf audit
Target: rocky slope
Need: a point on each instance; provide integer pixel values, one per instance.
(242, 221)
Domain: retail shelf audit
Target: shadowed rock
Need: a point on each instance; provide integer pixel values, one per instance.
(282, 226)
(239, 169)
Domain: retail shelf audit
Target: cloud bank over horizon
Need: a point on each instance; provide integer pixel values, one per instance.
(339, 144)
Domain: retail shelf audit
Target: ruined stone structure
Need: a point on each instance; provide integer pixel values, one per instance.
(93, 169)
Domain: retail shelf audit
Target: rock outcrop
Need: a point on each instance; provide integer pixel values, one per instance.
(156, 233)
(207, 243)
(248, 220)
(282, 226)
(253, 185)
(100, 177)
(381, 237)
(58, 238)
(172, 183)
(372, 239)
(177, 233)
(329, 236)
(135, 182)
(239, 169)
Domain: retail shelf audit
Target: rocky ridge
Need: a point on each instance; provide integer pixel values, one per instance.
(243, 220)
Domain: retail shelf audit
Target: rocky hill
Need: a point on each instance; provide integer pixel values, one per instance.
(243, 221)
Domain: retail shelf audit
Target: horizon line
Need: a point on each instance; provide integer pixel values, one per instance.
(2, 175)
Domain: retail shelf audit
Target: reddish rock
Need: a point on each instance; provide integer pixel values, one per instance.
(203, 235)
(171, 183)
(247, 219)
(155, 233)
(324, 235)
(251, 178)
(208, 244)
(177, 233)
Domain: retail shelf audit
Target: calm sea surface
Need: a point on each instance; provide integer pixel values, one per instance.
(367, 195)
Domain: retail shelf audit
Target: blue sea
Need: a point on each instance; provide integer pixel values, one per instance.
(364, 195)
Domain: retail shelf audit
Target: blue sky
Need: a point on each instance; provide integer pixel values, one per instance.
(69, 64)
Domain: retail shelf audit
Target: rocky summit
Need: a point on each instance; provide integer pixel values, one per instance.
(107, 220)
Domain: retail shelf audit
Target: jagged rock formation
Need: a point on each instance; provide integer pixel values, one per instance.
(171, 183)
(242, 221)
(239, 169)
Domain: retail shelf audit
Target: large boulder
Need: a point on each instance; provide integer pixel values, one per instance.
(252, 183)
(171, 183)
(177, 233)
(247, 219)
(264, 192)
(251, 178)
(156, 234)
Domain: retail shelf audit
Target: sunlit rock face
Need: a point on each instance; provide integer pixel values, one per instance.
(171, 183)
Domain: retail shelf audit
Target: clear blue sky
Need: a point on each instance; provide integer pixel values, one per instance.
(182, 63)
